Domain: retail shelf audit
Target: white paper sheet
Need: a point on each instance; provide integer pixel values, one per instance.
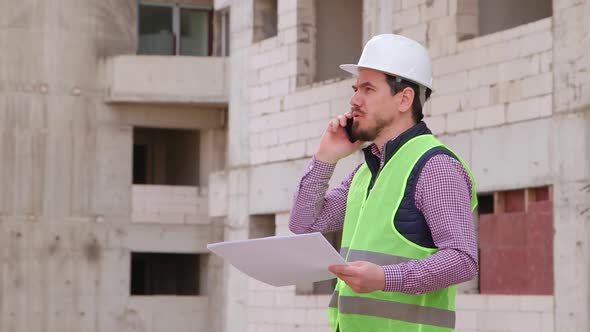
(281, 260)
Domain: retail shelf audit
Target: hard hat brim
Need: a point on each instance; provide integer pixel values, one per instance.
(351, 68)
(354, 70)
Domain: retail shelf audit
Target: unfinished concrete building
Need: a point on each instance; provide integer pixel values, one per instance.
(133, 133)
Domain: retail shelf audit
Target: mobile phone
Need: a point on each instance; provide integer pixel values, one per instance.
(348, 129)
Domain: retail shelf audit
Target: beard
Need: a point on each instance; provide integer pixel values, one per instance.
(367, 134)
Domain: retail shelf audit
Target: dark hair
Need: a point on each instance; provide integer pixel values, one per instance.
(396, 87)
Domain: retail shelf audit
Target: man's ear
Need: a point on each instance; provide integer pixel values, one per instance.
(407, 99)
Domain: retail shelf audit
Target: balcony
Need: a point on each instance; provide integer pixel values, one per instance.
(169, 205)
(167, 79)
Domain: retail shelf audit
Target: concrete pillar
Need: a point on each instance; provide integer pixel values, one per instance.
(62, 171)
(235, 283)
(571, 157)
(241, 36)
(306, 41)
(377, 17)
(235, 317)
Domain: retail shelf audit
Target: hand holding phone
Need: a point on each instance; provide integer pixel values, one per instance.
(333, 144)
(348, 129)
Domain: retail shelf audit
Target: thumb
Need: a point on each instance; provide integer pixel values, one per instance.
(357, 263)
(341, 270)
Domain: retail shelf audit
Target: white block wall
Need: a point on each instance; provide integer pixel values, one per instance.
(169, 204)
(494, 80)
(286, 121)
(491, 313)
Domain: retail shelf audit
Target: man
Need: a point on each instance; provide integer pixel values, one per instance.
(406, 212)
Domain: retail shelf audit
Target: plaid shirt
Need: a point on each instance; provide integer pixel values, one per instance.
(443, 195)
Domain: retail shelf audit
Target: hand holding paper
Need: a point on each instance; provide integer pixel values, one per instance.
(361, 276)
(282, 260)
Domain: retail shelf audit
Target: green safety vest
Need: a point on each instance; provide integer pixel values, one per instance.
(369, 234)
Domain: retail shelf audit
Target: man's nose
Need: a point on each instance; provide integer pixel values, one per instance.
(355, 100)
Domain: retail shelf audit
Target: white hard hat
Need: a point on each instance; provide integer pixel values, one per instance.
(396, 55)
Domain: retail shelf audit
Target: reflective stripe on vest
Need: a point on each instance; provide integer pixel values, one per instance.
(373, 257)
(393, 310)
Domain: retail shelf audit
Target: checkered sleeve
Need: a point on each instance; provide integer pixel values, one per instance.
(315, 209)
